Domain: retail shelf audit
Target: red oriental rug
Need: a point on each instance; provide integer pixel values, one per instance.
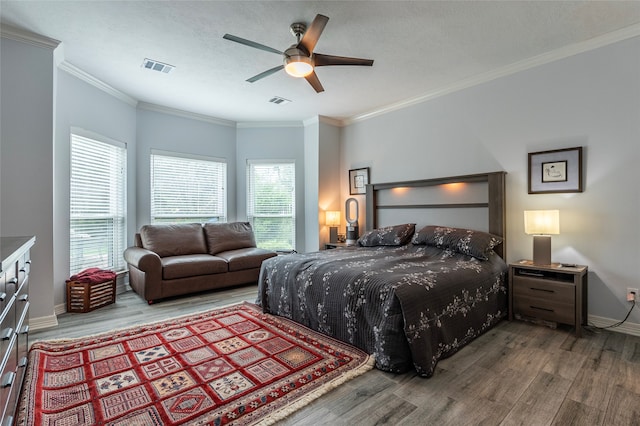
(233, 365)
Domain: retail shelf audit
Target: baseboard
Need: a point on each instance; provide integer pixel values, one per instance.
(43, 322)
(626, 328)
(52, 320)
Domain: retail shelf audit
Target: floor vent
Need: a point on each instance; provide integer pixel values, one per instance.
(150, 64)
(279, 101)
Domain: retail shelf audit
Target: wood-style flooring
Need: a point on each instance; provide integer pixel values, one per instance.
(515, 374)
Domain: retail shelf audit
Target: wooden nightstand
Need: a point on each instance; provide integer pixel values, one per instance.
(328, 246)
(556, 293)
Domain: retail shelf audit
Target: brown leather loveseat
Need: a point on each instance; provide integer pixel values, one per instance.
(173, 260)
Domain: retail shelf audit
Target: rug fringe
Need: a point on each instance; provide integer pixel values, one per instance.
(308, 398)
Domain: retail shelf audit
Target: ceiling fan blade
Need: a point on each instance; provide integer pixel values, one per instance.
(315, 82)
(325, 60)
(265, 74)
(251, 44)
(312, 34)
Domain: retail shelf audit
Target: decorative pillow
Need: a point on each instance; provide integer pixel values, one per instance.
(397, 235)
(229, 236)
(466, 241)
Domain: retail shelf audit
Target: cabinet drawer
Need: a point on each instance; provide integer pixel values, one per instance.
(545, 309)
(544, 299)
(541, 288)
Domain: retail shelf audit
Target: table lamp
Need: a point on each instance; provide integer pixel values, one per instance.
(332, 220)
(542, 224)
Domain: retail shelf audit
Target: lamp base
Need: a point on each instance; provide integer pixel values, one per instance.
(333, 234)
(542, 249)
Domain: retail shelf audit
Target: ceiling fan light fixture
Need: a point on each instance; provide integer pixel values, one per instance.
(298, 66)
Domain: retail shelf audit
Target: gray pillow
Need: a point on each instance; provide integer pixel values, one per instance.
(397, 235)
(466, 241)
(228, 236)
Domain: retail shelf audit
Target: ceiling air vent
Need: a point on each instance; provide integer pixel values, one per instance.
(150, 64)
(279, 101)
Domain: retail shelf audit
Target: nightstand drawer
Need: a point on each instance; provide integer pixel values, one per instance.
(546, 309)
(546, 289)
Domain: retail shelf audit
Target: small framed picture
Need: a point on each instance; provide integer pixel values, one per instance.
(555, 171)
(358, 179)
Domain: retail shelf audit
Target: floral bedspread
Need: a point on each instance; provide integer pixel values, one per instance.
(408, 306)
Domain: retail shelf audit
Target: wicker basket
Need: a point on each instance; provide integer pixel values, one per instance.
(85, 297)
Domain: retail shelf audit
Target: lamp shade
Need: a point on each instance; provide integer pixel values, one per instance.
(332, 218)
(541, 222)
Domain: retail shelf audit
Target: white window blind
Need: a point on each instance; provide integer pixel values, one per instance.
(271, 203)
(97, 204)
(187, 189)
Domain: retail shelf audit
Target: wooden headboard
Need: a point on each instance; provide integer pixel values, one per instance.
(492, 201)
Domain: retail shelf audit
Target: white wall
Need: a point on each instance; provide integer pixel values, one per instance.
(277, 142)
(590, 100)
(168, 132)
(81, 105)
(26, 158)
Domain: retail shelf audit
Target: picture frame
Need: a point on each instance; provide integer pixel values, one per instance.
(555, 171)
(358, 179)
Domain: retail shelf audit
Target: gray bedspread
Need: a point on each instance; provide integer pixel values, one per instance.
(408, 306)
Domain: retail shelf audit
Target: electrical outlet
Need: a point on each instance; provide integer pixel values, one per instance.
(632, 294)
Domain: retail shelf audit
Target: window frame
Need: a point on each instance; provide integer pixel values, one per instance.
(221, 215)
(115, 235)
(251, 215)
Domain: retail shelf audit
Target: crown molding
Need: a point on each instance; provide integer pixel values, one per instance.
(267, 124)
(185, 114)
(88, 78)
(545, 58)
(331, 121)
(24, 36)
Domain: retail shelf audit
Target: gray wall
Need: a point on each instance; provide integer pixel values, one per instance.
(590, 100)
(167, 132)
(278, 142)
(83, 106)
(26, 158)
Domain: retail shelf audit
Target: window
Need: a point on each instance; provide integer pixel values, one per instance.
(97, 204)
(271, 207)
(187, 188)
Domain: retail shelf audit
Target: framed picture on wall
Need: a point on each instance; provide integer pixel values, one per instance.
(358, 178)
(555, 171)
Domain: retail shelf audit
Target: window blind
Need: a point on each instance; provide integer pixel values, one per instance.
(97, 204)
(271, 203)
(187, 189)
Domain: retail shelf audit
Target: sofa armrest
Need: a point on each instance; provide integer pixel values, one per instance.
(145, 272)
(143, 259)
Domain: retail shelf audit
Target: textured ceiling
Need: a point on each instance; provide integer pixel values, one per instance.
(419, 47)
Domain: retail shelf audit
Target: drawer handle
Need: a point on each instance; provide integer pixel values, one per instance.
(3, 296)
(542, 309)
(7, 379)
(23, 362)
(8, 421)
(23, 298)
(13, 281)
(546, 290)
(531, 274)
(6, 334)
(24, 329)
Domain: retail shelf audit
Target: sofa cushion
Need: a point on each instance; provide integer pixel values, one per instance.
(192, 265)
(228, 236)
(245, 258)
(174, 240)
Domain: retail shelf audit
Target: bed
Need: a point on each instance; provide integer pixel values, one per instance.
(410, 293)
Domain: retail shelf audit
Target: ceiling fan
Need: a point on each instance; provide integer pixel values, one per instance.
(299, 58)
